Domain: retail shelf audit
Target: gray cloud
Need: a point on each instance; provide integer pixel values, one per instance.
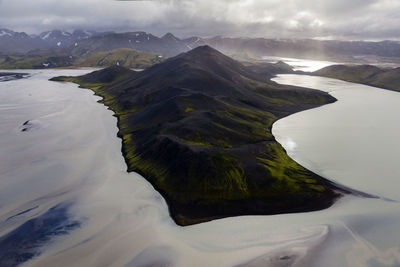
(355, 19)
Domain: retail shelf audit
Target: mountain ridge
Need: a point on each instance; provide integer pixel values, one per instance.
(83, 43)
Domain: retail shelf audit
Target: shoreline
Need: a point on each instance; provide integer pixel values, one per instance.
(260, 237)
(340, 190)
(279, 184)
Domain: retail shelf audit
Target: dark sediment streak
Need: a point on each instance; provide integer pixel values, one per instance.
(23, 243)
(8, 76)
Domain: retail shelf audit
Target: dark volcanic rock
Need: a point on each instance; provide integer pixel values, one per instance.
(8, 76)
(23, 243)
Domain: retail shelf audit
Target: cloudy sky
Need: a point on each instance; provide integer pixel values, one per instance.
(339, 19)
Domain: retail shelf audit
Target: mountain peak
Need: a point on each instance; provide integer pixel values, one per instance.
(206, 53)
(199, 66)
(169, 36)
(204, 49)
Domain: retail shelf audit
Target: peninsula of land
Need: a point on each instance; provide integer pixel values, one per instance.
(198, 127)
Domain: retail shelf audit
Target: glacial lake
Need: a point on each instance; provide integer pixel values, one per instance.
(69, 153)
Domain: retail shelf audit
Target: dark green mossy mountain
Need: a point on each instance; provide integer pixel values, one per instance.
(198, 127)
(35, 61)
(365, 74)
(100, 77)
(107, 75)
(53, 58)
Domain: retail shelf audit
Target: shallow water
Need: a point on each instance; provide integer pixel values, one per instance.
(71, 155)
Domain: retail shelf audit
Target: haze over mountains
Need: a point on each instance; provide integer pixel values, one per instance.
(84, 43)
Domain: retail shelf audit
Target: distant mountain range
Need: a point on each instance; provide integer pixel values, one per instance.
(308, 48)
(167, 45)
(82, 44)
(19, 42)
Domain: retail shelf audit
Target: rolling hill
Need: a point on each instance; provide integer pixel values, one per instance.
(83, 43)
(56, 58)
(365, 74)
(125, 57)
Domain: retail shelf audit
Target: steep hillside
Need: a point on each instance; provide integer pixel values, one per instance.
(108, 75)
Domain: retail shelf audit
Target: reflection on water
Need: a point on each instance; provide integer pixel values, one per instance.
(307, 65)
(353, 141)
(73, 156)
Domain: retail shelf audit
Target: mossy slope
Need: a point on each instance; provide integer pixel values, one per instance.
(198, 127)
(365, 74)
(35, 61)
(49, 58)
(126, 57)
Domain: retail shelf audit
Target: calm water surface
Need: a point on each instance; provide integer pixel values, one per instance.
(70, 154)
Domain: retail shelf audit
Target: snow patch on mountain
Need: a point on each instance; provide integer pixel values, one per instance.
(5, 33)
(66, 34)
(46, 36)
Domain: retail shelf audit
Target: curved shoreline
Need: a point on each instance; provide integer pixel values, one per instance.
(343, 97)
(239, 207)
(225, 242)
